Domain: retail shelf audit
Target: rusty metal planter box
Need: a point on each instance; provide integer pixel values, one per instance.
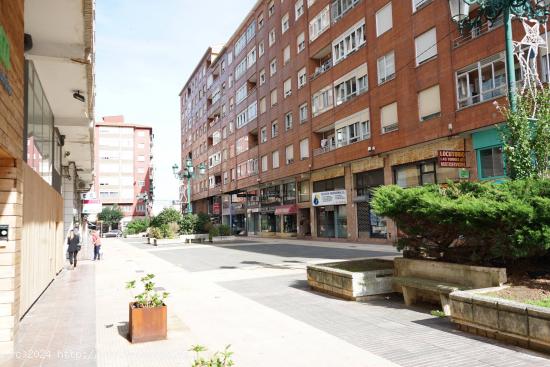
(147, 324)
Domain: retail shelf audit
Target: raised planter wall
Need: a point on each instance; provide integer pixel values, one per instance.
(350, 285)
(513, 322)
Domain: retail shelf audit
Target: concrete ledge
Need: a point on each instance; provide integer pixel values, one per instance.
(509, 321)
(187, 238)
(223, 238)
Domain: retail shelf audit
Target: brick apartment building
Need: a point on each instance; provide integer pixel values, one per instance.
(124, 166)
(311, 104)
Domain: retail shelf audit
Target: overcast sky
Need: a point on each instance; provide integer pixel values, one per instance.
(145, 51)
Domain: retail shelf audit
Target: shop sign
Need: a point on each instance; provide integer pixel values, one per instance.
(92, 206)
(88, 195)
(286, 209)
(5, 61)
(463, 174)
(324, 198)
(452, 158)
(216, 208)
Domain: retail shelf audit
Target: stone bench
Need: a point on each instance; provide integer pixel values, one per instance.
(409, 285)
(439, 279)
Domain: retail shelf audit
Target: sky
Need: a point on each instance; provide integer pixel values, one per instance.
(145, 52)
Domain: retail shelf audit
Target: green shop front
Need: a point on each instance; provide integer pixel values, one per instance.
(488, 150)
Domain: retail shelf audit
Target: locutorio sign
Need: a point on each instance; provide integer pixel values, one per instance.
(324, 198)
(5, 63)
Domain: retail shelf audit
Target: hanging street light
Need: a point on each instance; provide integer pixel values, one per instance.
(188, 173)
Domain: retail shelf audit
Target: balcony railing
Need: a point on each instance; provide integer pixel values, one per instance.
(329, 146)
(478, 31)
(322, 69)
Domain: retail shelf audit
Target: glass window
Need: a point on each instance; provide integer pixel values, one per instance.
(384, 20)
(482, 81)
(491, 162)
(426, 46)
(386, 67)
(429, 104)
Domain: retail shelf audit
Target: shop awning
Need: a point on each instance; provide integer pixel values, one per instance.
(286, 209)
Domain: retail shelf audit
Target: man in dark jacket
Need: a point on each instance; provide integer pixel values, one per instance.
(74, 246)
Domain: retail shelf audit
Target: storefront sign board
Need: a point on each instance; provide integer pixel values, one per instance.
(452, 158)
(324, 198)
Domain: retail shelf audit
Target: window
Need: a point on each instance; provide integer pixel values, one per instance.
(301, 42)
(348, 42)
(225, 178)
(272, 67)
(263, 105)
(482, 81)
(261, 49)
(251, 58)
(264, 163)
(229, 58)
(273, 97)
(286, 55)
(341, 7)
(141, 158)
(262, 76)
(250, 31)
(388, 118)
(252, 111)
(263, 134)
(310, 3)
(491, 162)
(415, 174)
(272, 37)
(214, 160)
(242, 144)
(216, 137)
(274, 129)
(302, 78)
(241, 94)
(289, 154)
(386, 67)
(303, 112)
(429, 104)
(545, 67)
(298, 9)
(288, 121)
(350, 85)
(285, 24)
(287, 87)
(242, 119)
(240, 69)
(419, 4)
(384, 20)
(261, 21)
(353, 128)
(426, 46)
(322, 101)
(275, 159)
(304, 149)
(319, 24)
(271, 8)
(240, 44)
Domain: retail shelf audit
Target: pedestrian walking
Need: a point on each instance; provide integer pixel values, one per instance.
(74, 246)
(96, 241)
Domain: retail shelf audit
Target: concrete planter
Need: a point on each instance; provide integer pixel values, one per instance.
(224, 238)
(369, 277)
(181, 239)
(513, 322)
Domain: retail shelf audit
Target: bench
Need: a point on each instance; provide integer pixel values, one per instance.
(441, 279)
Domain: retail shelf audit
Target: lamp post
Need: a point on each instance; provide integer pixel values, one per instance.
(491, 10)
(188, 172)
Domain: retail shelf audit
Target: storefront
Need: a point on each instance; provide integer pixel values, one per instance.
(369, 225)
(270, 199)
(253, 212)
(329, 198)
(487, 146)
(288, 216)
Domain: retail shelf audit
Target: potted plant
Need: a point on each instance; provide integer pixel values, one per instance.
(148, 311)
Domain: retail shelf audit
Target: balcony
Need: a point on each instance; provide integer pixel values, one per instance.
(328, 145)
(477, 32)
(322, 68)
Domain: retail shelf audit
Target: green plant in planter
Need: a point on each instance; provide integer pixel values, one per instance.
(224, 230)
(213, 232)
(155, 233)
(218, 359)
(149, 298)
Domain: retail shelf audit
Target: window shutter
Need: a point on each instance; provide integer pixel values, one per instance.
(388, 117)
(429, 103)
(426, 46)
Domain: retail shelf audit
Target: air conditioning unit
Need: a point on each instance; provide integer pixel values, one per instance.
(82, 186)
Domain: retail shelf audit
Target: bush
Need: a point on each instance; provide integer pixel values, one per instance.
(155, 233)
(166, 216)
(213, 232)
(224, 230)
(480, 223)
(203, 223)
(188, 224)
(137, 226)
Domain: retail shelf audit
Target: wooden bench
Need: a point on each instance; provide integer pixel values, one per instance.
(442, 278)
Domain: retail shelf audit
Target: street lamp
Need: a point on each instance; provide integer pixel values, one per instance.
(188, 173)
(491, 10)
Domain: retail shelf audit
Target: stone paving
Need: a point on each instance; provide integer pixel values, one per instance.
(252, 295)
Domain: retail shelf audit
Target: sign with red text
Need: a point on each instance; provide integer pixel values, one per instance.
(452, 158)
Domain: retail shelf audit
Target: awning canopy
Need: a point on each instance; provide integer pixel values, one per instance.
(286, 209)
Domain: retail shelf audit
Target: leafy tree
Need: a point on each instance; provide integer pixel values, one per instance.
(166, 216)
(110, 216)
(188, 224)
(137, 226)
(527, 138)
(203, 223)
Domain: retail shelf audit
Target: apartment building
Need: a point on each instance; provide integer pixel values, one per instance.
(124, 167)
(312, 104)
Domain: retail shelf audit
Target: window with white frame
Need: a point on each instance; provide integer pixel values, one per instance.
(298, 9)
(545, 68)
(481, 81)
(261, 21)
(275, 159)
(263, 134)
(214, 159)
(353, 128)
(419, 4)
(216, 137)
(274, 129)
(252, 111)
(319, 24)
(386, 67)
(322, 101)
(271, 8)
(261, 49)
(242, 119)
(426, 46)
(263, 105)
(287, 87)
(302, 78)
(285, 23)
(264, 163)
(288, 121)
(225, 178)
(273, 97)
(304, 148)
(251, 58)
(240, 44)
(286, 55)
(262, 76)
(348, 42)
(273, 67)
(250, 31)
(429, 103)
(240, 69)
(341, 7)
(384, 21)
(272, 37)
(351, 84)
(229, 58)
(303, 112)
(301, 42)
(241, 93)
(289, 154)
(388, 118)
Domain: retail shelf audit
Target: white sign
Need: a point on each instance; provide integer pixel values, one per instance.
(91, 195)
(91, 206)
(337, 197)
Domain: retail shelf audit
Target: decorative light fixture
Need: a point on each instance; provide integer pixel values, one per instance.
(78, 96)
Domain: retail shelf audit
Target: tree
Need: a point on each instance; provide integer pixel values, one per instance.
(165, 217)
(110, 216)
(526, 137)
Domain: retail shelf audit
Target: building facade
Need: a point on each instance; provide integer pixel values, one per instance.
(46, 138)
(124, 167)
(312, 104)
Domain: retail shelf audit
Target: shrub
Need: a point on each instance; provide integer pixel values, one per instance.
(137, 226)
(155, 233)
(213, 232)
(149, 298)
(167, 215)
(188, 224)
(224, 230)
(218, 359)
(203, 223)
(484, 223)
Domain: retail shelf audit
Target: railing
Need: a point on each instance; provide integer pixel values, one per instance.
(331, 146)
(324, 149)
(321, 69)
(337, 17)
(478, 31)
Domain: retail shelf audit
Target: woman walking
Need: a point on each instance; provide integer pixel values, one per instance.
(74, 246)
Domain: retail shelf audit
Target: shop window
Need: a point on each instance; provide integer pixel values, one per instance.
(337, 183)
(304, 193)
(415, 174)
(491, 163)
